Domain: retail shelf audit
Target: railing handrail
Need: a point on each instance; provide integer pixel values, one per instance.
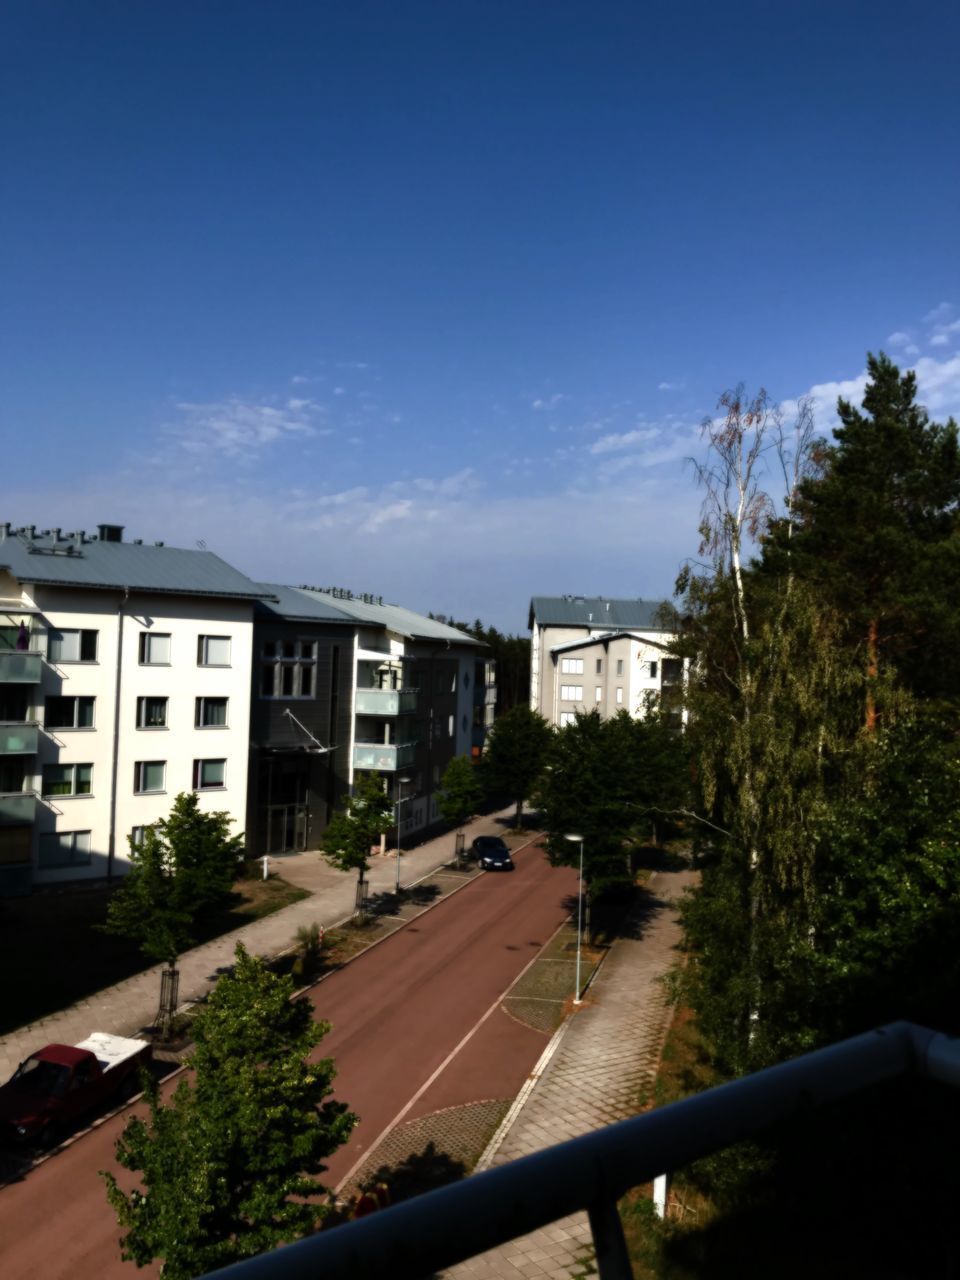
(447, 1226)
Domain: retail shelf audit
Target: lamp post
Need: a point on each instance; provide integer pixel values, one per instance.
(401, 783)
(576, 838)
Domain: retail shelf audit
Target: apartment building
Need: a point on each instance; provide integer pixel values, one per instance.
(387, 690)
(124, 680)
(588, 653)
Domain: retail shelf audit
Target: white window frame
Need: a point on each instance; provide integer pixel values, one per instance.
(203, 650)
(619, 697)
(56, 634)
(198, 767)
(571, 666)
(619, 666)
(142, 706)
(75, 698)
(73, 860)
(139, 776)
(567, 717)
(599, 694)
(571, 692)
(199, 708)
(147, 639)
(73, 792)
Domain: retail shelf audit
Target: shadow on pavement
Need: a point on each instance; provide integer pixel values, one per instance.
(421, 1171)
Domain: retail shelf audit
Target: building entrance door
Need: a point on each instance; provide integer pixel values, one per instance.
(286, 828)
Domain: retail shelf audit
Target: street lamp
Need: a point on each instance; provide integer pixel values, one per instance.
(401, 782)
(576, 838)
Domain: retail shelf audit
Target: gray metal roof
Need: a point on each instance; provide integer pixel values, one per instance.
(596, 611)
(300, 606)
(394, 618)
(44, 558)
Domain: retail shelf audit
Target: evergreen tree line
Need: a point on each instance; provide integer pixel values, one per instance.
(825, 684)
(511, 654)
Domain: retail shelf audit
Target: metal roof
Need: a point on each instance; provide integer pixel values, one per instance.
(604, 637)
(394, 618)
(45, 559)
(299, 606)
(596, 611)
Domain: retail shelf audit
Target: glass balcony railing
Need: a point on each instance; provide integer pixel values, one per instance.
(385, 757)
(18, 739)
(17, 807)
(386, 702)
(20, 668)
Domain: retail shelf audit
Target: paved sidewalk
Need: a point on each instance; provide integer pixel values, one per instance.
(129, 1006)
(608, 1054)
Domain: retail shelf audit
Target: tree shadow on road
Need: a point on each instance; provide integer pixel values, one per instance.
(421, 1171)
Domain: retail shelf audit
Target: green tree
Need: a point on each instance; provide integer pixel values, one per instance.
(182, 871)
(228, 1167)
(461, 792)
(354, 829)
(515, 755)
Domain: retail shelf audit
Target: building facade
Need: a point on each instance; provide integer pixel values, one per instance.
(124, 680)
(593, 654)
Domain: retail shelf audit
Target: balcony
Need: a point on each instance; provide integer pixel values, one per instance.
(20, 668)
(17, 808)
(17, 739)
(385, 757)
(386, 702)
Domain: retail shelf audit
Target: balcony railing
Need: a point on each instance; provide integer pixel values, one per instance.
(385, 757)
(422, 1236)
(386, 702)
(17, 808)
(20, 668)
(17, 739)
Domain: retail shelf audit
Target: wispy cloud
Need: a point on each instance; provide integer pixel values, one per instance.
(547, 403)
(241, 428)
(940, 313)
(670, 386)
(625, 440)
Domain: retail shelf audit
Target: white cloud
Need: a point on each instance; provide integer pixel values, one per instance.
(241, 428)
(626, 440)
(299, 379)
(899, 339)
(938, 389)
(547, 404)
(670, 386)
(939, 340)
(939, 313)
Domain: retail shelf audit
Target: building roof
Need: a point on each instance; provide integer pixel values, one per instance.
(295, 605)
(393, 617)
(604, 638)
(50, 559)
(596, 611)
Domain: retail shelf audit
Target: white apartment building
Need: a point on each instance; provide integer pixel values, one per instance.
(124, 680)
(588, 653)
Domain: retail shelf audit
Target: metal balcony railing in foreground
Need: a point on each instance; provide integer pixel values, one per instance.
(422, 1236)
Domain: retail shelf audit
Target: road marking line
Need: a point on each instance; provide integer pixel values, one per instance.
(495, 1143)
(426, 1085)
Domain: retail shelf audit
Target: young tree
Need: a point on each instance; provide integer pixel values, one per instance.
(228, 1167)
(353, 830)
(515, 755)
(461, 792)
(183, 869)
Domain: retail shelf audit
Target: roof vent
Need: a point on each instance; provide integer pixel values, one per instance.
(110, 532)
(55, 534)
(158, 544)
(138, 542)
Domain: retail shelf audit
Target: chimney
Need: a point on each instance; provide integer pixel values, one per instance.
(110, 532)
(55, 534)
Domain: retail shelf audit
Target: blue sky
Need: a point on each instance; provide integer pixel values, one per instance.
(428, 299)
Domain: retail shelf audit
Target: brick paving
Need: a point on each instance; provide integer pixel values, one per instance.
(130, 1006)
(606, 1059)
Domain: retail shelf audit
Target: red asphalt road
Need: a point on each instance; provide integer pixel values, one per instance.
(397, 1012)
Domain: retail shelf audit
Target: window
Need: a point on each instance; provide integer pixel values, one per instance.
(136, 836)
(213, 651)
(151, 713)
(451, 725)
(599, 693)
(211, 713)
(653, 671)
(599, 666)
(672, 670)
(567, 717)
(149, 776)
(209, 775)
(619, 696)
(68, 713)
(571, 666)
(72, 646)
(619, 666)
(154, 649)
(288, 669)
(65, 849)
(571, 692)
(67, 779)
